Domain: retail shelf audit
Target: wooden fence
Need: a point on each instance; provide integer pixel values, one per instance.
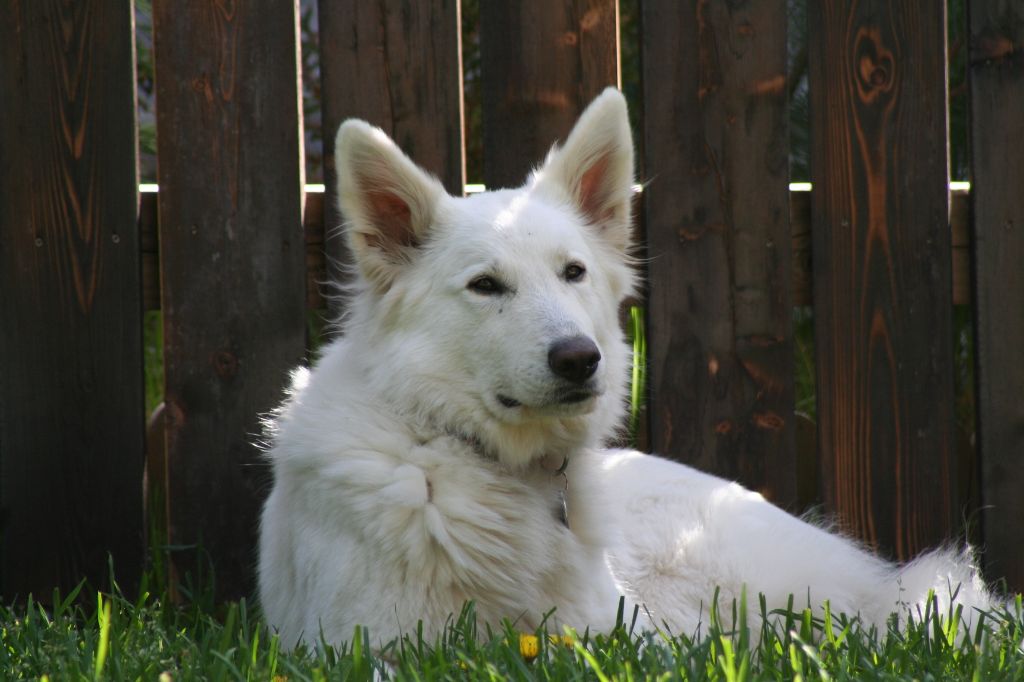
(729, 250)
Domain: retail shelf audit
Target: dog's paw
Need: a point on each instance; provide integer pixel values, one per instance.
(440, 450)
(410, 487)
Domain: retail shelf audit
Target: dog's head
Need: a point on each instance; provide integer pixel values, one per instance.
(496, 315)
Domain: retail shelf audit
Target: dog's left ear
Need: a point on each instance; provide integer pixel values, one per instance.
(595, 167)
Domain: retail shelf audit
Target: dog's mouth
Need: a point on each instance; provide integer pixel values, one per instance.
(573, 397)
(508, 402)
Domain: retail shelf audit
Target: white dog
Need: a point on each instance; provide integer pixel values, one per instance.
(449, 447)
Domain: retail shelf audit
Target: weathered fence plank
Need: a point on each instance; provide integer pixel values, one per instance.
(997, 169)
(882, 283)
(396, 64)
(232, 261)
(71, 406)
(541, 62)
(718, 241)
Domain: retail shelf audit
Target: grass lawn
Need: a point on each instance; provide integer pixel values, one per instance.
(116, 639)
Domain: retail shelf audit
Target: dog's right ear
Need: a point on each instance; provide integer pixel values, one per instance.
(387, 201)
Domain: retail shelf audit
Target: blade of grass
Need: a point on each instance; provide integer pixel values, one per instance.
(103, 616)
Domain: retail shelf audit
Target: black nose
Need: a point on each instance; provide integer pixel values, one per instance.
(574, 358)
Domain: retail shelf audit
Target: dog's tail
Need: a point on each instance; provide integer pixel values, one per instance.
(941, 582)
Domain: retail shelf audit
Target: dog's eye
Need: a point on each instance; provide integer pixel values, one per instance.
(574, 272)
(486, 286)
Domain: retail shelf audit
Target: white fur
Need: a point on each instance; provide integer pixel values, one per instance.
(405, 486)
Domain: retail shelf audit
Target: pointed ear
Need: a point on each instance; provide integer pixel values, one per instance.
(594, 169)
(387, 201)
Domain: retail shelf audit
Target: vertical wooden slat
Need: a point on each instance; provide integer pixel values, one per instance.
(997, 170)
(882, 288)
(71, 405)
(232, 261)
(542, 61)
(717, 210)
(398, 65)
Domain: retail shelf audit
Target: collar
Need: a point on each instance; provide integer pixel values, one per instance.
(549, 463)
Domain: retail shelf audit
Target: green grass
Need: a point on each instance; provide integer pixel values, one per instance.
(638, 378)
(153, 356)
(146, 639)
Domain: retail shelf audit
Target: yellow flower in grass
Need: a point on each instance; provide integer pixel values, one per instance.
(564, 640)
(529, 645)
